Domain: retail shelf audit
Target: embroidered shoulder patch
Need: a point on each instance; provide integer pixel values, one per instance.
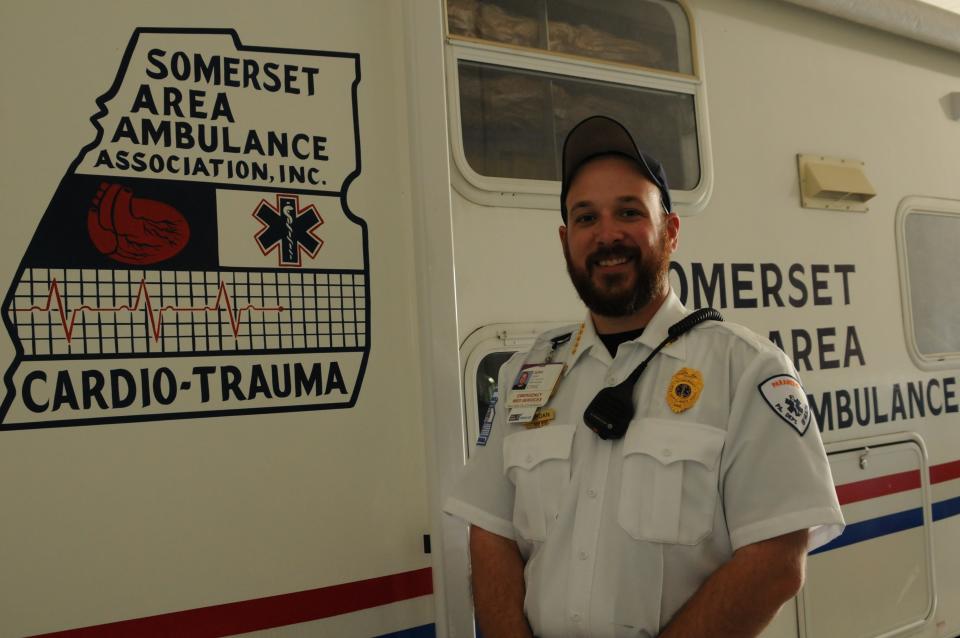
(785, 396)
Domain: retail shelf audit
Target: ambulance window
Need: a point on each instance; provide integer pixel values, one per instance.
(514, 121)
(644, 33)
(487, 373)
(930, 234)
(523, 72)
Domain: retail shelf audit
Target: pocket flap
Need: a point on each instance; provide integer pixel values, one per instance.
(528, 448)
(668, 441)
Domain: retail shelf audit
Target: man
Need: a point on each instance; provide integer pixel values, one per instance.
(693, 516)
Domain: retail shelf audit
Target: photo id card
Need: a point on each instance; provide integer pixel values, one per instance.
(534, 385)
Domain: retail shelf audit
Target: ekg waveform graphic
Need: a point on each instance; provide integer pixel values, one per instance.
(69, 312)
(155, 315)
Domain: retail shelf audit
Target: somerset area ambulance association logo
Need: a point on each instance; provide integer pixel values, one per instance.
(785, 396)
(198, 257)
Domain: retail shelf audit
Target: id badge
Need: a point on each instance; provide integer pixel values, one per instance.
(532, 388)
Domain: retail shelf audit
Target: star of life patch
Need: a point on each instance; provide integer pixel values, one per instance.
(785, 396)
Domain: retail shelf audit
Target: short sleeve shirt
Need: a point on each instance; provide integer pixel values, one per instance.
(618, 534)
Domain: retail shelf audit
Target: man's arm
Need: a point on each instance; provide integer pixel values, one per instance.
(498, 587)
(745, 593)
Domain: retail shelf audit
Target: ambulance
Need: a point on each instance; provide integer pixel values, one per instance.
(262, 261)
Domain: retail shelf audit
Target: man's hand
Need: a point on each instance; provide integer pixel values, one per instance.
(745, 593)
(498, 587)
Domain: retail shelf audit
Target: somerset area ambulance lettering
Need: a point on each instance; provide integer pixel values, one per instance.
(879, 405)
(766, 285)
(179, 109)
(198, 256)
(792, 287)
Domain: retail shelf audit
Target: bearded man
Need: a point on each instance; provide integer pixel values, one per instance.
(661, 473)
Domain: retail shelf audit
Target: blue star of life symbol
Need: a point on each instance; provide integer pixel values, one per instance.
(288, 229)
(793, 405)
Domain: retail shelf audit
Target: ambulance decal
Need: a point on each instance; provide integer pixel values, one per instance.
(198, 257)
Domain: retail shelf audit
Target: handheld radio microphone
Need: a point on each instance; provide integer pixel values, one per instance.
(610, 412)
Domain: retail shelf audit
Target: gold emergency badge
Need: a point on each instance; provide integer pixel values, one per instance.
(684, 390)
(542, 417)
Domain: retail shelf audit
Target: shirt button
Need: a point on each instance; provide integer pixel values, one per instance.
(583, 555)
(592, 493)
(575, 617)
(610, 379)
(666, 452)
(529, 458)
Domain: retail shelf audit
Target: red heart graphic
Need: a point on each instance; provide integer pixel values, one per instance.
(134, 230)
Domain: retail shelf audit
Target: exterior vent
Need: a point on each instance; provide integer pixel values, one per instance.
(833, 184)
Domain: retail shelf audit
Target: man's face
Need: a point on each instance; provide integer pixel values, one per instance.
(617, 241)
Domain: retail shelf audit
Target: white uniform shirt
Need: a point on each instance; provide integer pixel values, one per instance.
(618, 534)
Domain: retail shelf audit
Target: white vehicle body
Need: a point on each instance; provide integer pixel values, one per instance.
(284, 518)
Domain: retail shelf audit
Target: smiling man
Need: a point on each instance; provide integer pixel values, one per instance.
(618, 263)
(661, 472)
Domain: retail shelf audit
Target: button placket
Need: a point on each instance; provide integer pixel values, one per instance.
(586, 532)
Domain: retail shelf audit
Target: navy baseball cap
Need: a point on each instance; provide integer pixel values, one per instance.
(601, 135)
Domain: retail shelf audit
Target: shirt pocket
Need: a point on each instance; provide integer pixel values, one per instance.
(537, 462)
(669, 489)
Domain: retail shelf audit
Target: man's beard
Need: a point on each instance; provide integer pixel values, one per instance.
(650, 279)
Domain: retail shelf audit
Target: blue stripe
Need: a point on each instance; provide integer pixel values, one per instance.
(423, 631)
(949, 507)
(890, 524)
(874, 528)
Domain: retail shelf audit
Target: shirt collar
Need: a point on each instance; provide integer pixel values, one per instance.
(670, 312)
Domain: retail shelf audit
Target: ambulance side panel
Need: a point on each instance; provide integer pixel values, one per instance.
(220, 523)
(782, 81)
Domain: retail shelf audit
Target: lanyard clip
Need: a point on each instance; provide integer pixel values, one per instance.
(555, 344)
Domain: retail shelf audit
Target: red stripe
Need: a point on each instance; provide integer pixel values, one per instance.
(893, 483)
(880, 486)
(945, 472)
(264, 613)
(314, 604)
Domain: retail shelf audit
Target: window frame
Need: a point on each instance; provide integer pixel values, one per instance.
(543, 194)
(927, 206)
